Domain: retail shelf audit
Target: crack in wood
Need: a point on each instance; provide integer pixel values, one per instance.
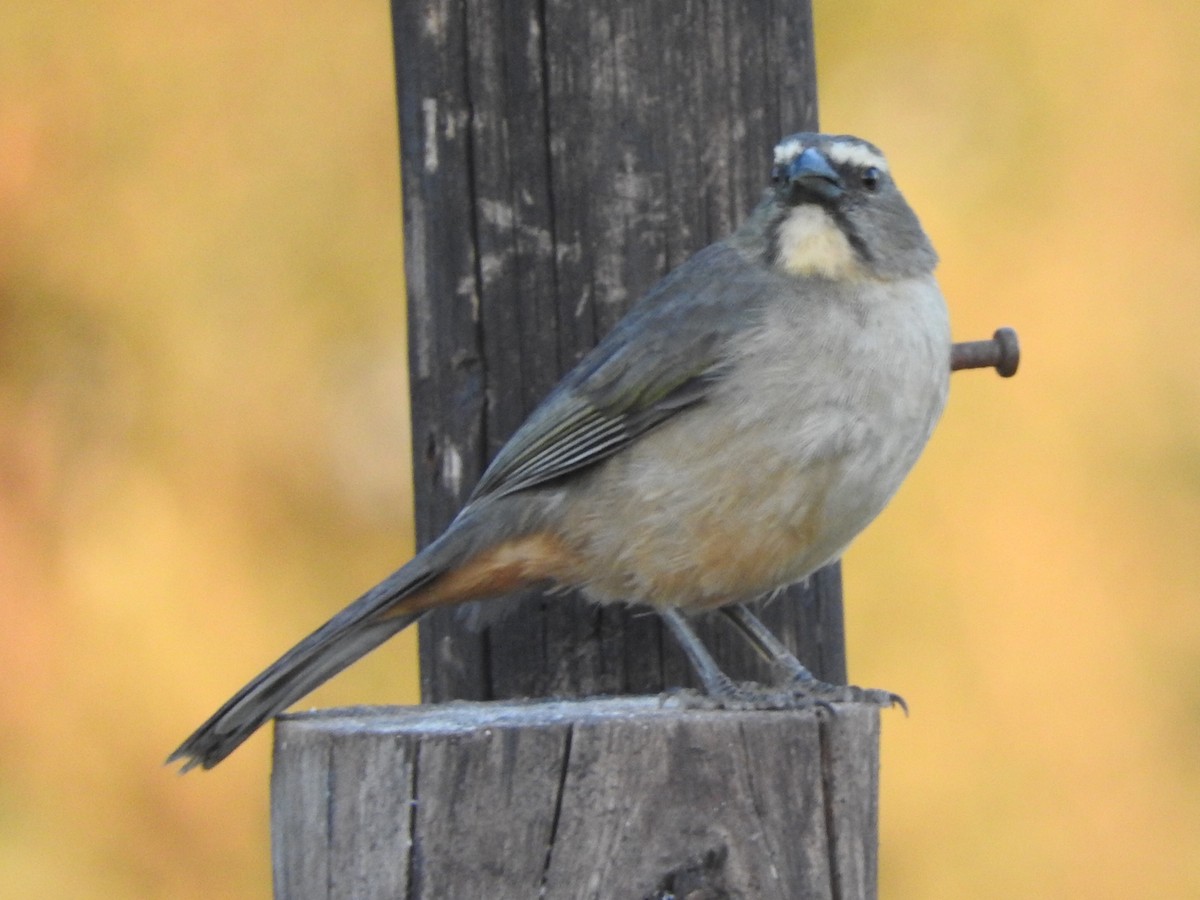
(559, 796)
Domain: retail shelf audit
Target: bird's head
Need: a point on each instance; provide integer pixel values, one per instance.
(834, 211)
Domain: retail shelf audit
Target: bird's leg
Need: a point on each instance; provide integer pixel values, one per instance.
(801, 680)
(802, 688)
(771, 648)
(716, 683)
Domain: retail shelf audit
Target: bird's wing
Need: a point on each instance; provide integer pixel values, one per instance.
(661, 358)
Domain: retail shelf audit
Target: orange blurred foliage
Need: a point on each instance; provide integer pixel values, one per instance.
(204, 440)
(204, 444)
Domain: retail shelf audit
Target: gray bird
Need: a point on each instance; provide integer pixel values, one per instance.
(733, 433)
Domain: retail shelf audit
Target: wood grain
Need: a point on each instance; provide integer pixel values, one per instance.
(558, 157)
(616, 798)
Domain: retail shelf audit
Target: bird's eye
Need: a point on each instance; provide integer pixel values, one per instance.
(778, 174)
(871, 178)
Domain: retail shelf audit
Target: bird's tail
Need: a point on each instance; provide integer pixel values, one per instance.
(351, 634)
(465, 563)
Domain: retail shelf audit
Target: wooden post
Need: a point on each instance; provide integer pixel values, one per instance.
(617, 798)
(558, 157)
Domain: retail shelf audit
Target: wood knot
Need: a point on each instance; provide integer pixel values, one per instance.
(702, 879)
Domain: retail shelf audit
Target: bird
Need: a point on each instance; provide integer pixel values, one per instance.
(746, 419)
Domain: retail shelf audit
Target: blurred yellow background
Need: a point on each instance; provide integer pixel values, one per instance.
(204, 445)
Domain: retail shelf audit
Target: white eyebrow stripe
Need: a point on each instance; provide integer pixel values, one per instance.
(849, 154)
(787, 151)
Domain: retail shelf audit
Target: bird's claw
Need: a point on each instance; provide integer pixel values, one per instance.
(849, 693)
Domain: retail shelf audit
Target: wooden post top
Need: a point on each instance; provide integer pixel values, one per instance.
(607, 798)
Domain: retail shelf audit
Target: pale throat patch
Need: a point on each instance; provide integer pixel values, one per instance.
(810, 243)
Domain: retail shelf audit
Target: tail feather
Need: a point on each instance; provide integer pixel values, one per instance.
(352, 633)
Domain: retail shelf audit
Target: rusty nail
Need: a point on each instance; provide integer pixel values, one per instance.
(1002, 353)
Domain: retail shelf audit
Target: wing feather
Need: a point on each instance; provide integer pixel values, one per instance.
(659, 360)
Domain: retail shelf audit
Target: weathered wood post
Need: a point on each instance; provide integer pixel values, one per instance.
(558, 157)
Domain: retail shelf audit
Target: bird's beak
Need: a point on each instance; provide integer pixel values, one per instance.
(810, 173)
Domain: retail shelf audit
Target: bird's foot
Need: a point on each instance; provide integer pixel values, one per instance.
(799, 694)
(823, 692)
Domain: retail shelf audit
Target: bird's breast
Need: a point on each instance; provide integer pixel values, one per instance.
(821, 415)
